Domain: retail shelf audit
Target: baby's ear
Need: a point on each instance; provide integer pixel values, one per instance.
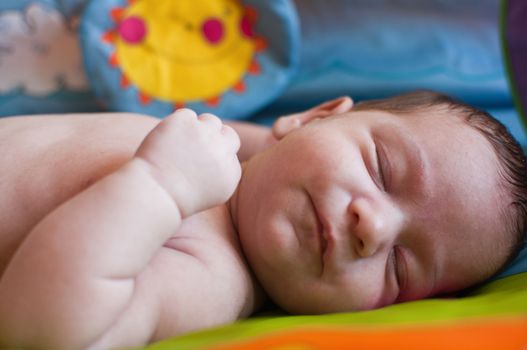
(284, 125)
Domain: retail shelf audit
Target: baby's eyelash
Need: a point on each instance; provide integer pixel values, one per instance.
(395, 267)
(380, 172)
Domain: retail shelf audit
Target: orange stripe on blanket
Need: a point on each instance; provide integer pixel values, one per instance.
(494, 334)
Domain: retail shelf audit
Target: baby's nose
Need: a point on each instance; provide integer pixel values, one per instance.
(369, 227)
(132, 30)
(212, 30)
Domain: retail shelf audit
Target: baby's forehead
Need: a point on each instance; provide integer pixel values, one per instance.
(439, 126)
(432, 114)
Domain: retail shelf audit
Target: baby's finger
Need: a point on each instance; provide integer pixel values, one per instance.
(211, 119)
(232, 137)
(184, 113)
(237, 169)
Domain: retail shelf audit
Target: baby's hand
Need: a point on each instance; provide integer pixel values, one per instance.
(193, 159)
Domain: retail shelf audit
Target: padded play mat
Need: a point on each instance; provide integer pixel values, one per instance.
(492, 317)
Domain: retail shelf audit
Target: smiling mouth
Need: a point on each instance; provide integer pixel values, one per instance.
(323, 240)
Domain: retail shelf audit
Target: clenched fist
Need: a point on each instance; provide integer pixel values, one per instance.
(194, 159)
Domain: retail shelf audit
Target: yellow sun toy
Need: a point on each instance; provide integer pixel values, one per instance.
(196, 53)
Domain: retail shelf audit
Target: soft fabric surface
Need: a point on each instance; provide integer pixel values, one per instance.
(373, 48)
(491, 317)
(370, 49)
(519, 264)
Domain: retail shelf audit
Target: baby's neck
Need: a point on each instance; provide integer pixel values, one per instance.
(232, 204)
(232, 207)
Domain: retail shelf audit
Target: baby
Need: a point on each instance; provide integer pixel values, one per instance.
(119, 230)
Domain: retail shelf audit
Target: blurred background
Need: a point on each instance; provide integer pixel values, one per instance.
(52, 58)
(376, 48)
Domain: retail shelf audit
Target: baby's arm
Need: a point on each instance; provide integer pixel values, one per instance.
(74, 275)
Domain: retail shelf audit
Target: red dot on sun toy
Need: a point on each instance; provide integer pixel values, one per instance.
(213, 30)
(132, 30)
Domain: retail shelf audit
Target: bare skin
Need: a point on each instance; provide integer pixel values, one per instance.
(53, 159)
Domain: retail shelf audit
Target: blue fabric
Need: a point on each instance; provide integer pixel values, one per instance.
(510, 117)
(71, 7)
(519, 265)
(376, 48)
(277, 23)
(41, 70)
(383, 47)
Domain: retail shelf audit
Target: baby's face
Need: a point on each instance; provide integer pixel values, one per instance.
(367, 209)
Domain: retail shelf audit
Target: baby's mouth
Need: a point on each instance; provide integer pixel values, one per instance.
(323, 240)
(320, 232)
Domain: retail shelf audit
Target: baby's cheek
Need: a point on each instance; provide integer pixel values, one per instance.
(370, 290)
(371, 301)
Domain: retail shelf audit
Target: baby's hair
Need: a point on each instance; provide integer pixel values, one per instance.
(512, 160)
